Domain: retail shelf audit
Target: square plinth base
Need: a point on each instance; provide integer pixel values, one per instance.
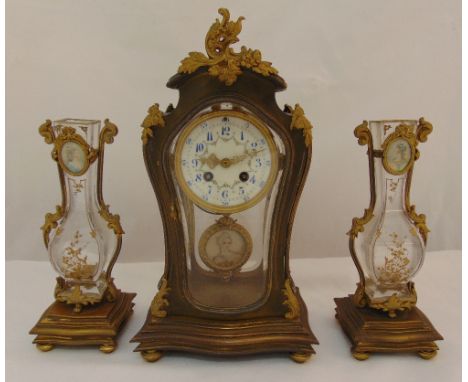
(94, 325)
(226, 338)
(371, 331)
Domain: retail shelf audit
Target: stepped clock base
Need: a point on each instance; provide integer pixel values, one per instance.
(94, 325)
(226, 338)
(371, 331)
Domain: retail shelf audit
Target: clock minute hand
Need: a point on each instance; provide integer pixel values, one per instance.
(239, 158)
(254, 153)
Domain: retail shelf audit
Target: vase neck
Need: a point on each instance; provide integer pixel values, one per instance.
(394, 193)
(88, 129)
(81, 191)
(381, 130)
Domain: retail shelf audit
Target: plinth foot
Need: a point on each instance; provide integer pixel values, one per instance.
(360, 355)
(151, 355)
(299, 357)
(427, 354)
(44, 347)
(108, 348)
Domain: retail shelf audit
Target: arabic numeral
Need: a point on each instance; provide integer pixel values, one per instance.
(184, 162)
(241, 190)
(210, 189)
(268, 162)
(254, 144)
(225, 194)
(225, 130)
(253, 179)
(204, 125)
(198, 177)
(258, 162)
(195, 162)
(199, 147)
(205, 197)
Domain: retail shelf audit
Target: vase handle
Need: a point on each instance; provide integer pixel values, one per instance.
(51, 219)
(364, 136)
(107, 135)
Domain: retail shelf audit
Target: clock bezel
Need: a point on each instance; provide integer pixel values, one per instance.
(197, 121)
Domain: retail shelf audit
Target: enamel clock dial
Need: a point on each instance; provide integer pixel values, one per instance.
(226, 161)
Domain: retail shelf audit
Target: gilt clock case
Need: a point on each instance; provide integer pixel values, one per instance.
(252, 311)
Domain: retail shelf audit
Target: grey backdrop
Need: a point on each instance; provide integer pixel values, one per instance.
(343, 61)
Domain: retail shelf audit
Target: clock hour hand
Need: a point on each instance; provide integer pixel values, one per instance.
(211, 160)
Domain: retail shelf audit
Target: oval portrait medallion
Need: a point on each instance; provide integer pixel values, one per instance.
(225, 246)
(398, 156)
(73, 158)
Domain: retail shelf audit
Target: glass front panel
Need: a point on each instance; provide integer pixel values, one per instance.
(226, 171)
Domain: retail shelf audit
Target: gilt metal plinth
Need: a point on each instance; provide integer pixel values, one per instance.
(372, 331)
(225, 337)
(94, 325)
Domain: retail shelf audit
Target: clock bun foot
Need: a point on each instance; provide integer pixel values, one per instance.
(360, 355)
(151, 355)
(108, 348)
(44, 347)
(299, 357)
(427, 354)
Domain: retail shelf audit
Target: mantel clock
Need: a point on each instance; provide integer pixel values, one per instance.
(228, 167)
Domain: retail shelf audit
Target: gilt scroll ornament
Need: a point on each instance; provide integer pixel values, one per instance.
(301, 122)
(291, 300)
(222, 61)
(160, 302)
(154, 118)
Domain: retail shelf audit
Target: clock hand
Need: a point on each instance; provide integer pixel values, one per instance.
(255, 152)
(240, 158)
(211, 160)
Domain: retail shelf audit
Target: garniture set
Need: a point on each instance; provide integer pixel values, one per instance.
(228, 166)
